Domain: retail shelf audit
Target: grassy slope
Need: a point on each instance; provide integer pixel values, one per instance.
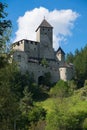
(77, 102)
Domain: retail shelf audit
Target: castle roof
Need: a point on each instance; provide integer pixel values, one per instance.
(60, 51)
(44, 23)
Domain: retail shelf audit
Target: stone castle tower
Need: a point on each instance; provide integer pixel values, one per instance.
(30, 54)
(44, 35)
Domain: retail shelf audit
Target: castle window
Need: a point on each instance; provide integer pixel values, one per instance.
(45, 33)
(31, 42)
(18, 43)
(34, 49)
(19, 58)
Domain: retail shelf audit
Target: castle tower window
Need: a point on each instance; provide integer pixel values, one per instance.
(19, 58)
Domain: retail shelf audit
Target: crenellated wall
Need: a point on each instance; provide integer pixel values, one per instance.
(28, 55)
(18, 45)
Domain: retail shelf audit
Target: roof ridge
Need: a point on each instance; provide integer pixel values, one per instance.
(60, 50)
(44, 23)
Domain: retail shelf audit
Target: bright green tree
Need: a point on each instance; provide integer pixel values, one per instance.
(61, 89)
(69, 114)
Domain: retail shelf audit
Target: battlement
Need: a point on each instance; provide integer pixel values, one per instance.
(38, 57)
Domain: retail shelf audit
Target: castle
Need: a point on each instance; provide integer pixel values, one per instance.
(38, 57)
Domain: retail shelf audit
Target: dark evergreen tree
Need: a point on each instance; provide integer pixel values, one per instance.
(5, 26)
(79, 59)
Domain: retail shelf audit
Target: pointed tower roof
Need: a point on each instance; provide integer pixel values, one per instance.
(60, 51)
(44, 23)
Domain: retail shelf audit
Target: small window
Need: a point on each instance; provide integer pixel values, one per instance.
(19, 58)
(60, 69)
(18, 43)
(45, 33)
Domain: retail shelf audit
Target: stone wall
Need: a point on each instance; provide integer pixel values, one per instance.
(28, 55)
(34, 67)
(31, 48)
(66, 72)
(39, 70)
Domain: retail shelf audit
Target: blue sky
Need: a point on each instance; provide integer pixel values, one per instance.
(78, 33)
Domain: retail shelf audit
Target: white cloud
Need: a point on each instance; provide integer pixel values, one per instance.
(61, 20)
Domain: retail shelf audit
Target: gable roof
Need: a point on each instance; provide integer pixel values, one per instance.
(44, 23)
(60, 51)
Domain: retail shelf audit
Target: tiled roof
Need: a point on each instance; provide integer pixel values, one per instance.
(44, 23)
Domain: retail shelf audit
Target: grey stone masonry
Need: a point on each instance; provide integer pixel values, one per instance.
(30, 54)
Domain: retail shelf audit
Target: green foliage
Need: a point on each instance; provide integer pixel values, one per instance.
(8, 101)
(20, 81)
(79, 59)
(40, 125)
(18, 105)
(31, 114)
(32, 117)
(47, 79)
(3, 60)
(17, 94)
(72, 86)
(70, 58)
(84, 124)
(17, 91)
(85, 82)
(37, 113)
(44, 62)
(61, 89)
(26, 102)
(5, 26)
(71, 113)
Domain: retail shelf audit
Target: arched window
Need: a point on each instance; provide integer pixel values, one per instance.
(41, 80)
